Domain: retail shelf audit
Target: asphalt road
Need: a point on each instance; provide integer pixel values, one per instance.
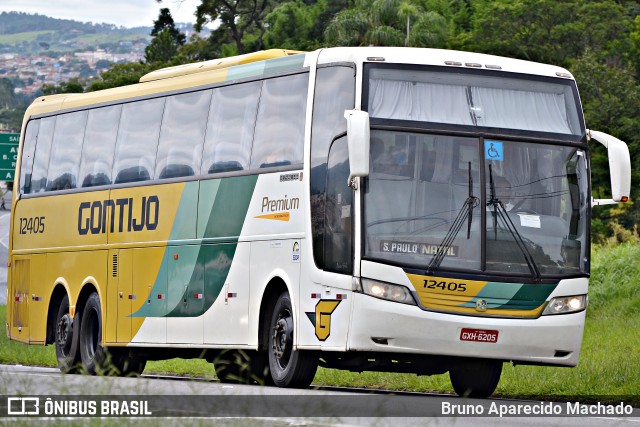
(185, 400)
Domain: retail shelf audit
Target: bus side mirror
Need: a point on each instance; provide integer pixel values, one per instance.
(358, 142)
(619, 167)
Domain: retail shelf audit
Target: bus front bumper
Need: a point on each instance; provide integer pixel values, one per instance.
(383, 326)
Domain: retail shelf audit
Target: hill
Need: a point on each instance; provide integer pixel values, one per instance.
(40, 35)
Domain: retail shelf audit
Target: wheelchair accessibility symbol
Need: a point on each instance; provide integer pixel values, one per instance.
(493, 150)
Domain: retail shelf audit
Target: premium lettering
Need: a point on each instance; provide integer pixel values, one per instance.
(279, 205)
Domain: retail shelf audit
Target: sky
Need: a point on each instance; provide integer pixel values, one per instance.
(126, 13)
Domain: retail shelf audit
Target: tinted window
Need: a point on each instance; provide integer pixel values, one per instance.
(28, 150)
(230, 130)
(99, 146)
(279, 136)
(41, 159)
(138, 140)
(182, 135)
(66, 151)
(335, 92)
(338, 233)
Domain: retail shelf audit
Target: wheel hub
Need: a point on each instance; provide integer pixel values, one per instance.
(64, 330)
(283, 340)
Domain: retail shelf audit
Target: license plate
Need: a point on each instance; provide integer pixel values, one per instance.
(479, 335)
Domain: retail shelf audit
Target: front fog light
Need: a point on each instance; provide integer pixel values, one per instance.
(387, 291)
(562, 305)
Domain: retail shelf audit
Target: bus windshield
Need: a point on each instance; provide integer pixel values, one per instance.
(427, 192)
(465, 98)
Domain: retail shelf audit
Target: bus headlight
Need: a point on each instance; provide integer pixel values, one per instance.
(396, 293)
(562, 305)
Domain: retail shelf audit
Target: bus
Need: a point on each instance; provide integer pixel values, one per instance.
(367, 209)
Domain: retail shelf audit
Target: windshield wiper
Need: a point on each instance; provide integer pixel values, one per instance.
(500, 211)
(465, 214)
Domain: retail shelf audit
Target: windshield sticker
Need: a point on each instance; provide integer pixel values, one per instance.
(414, 248)
(532, 221)
(493, 150)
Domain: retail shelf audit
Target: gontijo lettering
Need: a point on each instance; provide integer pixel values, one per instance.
(94, 216)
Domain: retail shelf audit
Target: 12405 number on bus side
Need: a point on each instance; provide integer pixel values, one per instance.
(34, 225)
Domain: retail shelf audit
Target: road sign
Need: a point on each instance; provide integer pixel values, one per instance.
(8, 155)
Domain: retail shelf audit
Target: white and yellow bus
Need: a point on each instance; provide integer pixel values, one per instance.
(370, 209)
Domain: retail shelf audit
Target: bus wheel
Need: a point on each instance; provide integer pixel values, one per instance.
(242, 367)
(91, 351)
(476, 378)
(289, 368)
(67, 338)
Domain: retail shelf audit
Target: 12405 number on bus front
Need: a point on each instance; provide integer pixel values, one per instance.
(445, 286)
(34, 225)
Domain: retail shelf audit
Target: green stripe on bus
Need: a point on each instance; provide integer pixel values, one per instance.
(203, 268)
(512, 296)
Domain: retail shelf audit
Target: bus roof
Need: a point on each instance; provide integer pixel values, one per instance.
(216, 64)
(277, 60)
(439, 57)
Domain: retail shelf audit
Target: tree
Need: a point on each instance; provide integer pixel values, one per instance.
(166, 39)
(239, 20)
(298, 25)
(407, 10)
(70, 86)
(549, 31)
(198, 49)
(7, 94)
(165, 23)
(162, 48)
(123, 74)
(611, 103)
(387, 23)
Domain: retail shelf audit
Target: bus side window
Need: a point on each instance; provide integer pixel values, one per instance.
(231, 123)
(66, 151)
(41, 157)
(99, 145)
(338, 222)
(183, 125)
(28, 150)
(138, 140)
(279, 135)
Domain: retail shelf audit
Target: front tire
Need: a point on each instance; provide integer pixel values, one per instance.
(476, 378)
(66, 336)
(289, 368)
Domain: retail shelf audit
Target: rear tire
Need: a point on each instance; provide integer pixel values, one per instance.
(476, 378)
(66, 338)
(242, 367)
(289, 368)
(92, 354)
